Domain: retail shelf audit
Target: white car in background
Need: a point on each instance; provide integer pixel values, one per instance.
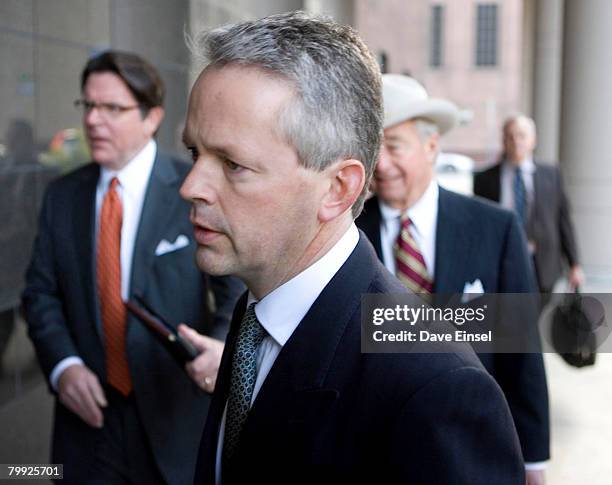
(454, 172)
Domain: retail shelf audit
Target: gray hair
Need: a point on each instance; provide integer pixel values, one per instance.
(520, 118)
(337, 111)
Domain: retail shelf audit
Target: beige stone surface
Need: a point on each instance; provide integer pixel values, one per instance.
(580, 401)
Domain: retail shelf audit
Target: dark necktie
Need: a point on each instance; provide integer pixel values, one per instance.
(244, 375)
(112, 309)
(520, 196)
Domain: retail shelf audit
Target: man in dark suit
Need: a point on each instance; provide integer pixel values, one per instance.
(536, 193)
(284, 128)
(125, 411)
(467, 246)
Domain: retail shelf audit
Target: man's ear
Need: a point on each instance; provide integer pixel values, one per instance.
(153, 119)
(347, 178)
(431, 147)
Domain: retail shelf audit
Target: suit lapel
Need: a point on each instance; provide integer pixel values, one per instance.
(84, 237)
(539, 198)
(206, 463)
(453, 245)
(157, 212)
(299, 374)
(296, 385)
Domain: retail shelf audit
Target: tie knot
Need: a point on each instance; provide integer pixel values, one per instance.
(250, 329)
(406, 221)
(113, 183)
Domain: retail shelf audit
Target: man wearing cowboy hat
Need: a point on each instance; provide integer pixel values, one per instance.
(436, 241)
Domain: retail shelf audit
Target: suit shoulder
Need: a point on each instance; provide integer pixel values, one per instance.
(68, 182)
(181, 166)
(405, 374)
(488, 171)
(548, 170)
(384, 282)
(479, 207)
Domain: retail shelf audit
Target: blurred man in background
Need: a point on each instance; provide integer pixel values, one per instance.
(536, 193)
(125, 411)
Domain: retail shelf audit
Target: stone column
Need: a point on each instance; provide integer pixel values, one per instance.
(341, 11)
(546, 94)
(586, 131)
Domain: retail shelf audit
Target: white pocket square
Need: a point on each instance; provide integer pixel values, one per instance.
(166, 247)
(472, 290)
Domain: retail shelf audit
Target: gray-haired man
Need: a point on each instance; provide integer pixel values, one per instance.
(284, 128)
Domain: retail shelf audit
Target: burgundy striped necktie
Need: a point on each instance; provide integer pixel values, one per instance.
(410, 264)
(109, 290)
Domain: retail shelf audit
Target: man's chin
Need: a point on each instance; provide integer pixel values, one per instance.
(211, 263)
(103, 158)
(390, 197)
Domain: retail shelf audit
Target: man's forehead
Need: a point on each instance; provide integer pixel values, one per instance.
(240, 96)
(520, 124)
(399, 130)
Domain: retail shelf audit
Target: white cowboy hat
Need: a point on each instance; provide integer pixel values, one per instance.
(405, 99)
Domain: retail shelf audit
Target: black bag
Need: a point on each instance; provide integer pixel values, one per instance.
(574, 324)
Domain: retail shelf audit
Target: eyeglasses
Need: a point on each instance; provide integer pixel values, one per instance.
(109, 110)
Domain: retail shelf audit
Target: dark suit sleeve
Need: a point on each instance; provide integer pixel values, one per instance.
(226, 291)
(42, 298)
(566, 228)
(522, 376)
(469, 439)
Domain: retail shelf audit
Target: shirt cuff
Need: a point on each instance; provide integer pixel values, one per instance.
(536, 466)
(60, 367)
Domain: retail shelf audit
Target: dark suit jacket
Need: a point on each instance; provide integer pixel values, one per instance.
(328, 413)
(477, 240)
(550, 225)
(62, 311)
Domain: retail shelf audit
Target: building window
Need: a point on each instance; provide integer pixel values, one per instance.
(486, 34)
(436, 40)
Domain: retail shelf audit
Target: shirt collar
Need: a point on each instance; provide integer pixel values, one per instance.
(526, 166)
(281, 310)
(423, 212)
(134, 176)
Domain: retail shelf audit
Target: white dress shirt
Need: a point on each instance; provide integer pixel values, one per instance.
(281, 311)
(424, 217)
(506, 196)
(133, 181)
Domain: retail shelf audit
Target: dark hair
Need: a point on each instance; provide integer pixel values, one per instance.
(141, 78)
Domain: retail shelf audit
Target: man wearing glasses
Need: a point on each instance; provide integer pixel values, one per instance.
(113, 229)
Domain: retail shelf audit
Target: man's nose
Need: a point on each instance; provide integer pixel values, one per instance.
(198, 185)
(92, 117)
(384, 160)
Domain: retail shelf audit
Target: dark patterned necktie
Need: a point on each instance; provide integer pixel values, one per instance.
(244, 375)
(410, 264)
(520, 196)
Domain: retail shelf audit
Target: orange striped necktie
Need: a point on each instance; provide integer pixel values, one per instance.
(109, 290)
(410, 264)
